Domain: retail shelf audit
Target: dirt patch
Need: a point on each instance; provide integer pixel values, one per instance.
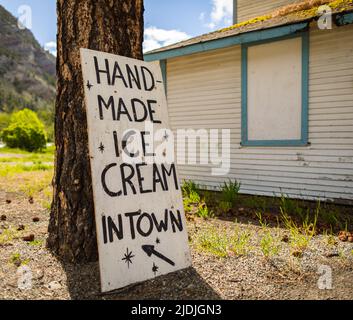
(249, 276)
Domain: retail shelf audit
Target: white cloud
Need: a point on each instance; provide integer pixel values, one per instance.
(51, 47)
(156, 38)
(221, 14)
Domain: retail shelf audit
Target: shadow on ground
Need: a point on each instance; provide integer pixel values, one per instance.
(84, 284)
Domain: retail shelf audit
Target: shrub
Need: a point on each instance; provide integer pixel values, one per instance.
(25, 131)
(4, 120)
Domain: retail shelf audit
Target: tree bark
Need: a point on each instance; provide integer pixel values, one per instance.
(113, 26)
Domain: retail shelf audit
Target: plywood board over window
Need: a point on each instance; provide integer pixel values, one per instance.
(274, 92)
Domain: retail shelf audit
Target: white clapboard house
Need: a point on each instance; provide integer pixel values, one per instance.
(283, 85)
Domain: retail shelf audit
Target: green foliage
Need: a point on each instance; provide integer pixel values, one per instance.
(189, 187)
(239, 242)
(4, 121)
(292, 207)
(204, 212)
(269, 246)
(301, 235)
(17, 260)
(217, 242)
(8, 235)
(36, 243)
(192, 200)
(25, 131)
(230, 192)
(225, 206)
(6, 170)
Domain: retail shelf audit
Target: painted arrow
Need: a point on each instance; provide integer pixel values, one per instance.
(151, 251)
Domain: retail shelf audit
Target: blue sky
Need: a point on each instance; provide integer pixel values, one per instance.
(166, 22)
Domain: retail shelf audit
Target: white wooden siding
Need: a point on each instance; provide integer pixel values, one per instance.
(248, 9)
(204, 91)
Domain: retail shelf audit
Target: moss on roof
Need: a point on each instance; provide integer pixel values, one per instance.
(305, 9)
(290, 14)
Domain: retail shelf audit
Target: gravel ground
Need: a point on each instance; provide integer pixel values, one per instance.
(236, 277)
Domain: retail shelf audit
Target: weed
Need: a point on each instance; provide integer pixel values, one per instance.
(262, 221)
(36, 243)
(209, 197)
(204, 212)
(330, 216)
(192, 200)
(230, 191)
(300, 236)
(239, 242)
(189, 187)
(16, 259)
(8, 235)
(291, 207)
(219, 243)
(213, 241)
(225, 206)
(269, 245)
(331, 239)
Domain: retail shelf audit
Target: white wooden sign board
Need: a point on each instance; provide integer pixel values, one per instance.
(140, 221)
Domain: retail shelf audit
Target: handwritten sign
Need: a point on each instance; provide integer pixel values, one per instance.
(139, 211)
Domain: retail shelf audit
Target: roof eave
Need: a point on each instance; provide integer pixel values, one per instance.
(240, 38)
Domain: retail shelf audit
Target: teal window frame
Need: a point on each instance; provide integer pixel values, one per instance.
(163, 65)
(305, 96)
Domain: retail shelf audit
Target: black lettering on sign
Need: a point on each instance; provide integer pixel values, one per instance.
(157, 179)
(133, 77)
(104, 182)
(141, 224)
(171, 171)
(114, 229)
(122, 110)
(127, 177)
(145, 144)
(117, 74)
(105, 71)
(141, 179)
(116, 144)
(130, 173)
(135, 103)
(148, 79)
(144, 219)
(125, 142)
(108, 105)
(131, 216)
(152, 111)
(163, 224)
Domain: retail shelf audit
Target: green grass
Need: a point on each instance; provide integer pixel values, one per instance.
(8, 235)
(8, 170)
(217, 242)
(36, 243)
(28, 173)
(35, 157)
(17, 260)
(49, 151)
(269, 245)
(230, 192)
(300, 235)
(23, 161)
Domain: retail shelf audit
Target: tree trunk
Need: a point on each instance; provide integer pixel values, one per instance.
(113, 26)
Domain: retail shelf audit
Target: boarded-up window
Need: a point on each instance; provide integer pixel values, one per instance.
(273, 92)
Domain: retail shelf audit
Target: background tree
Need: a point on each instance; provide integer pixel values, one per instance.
(113, 26)
(25, 131)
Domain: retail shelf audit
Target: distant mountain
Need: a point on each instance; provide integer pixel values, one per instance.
(27, 71)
